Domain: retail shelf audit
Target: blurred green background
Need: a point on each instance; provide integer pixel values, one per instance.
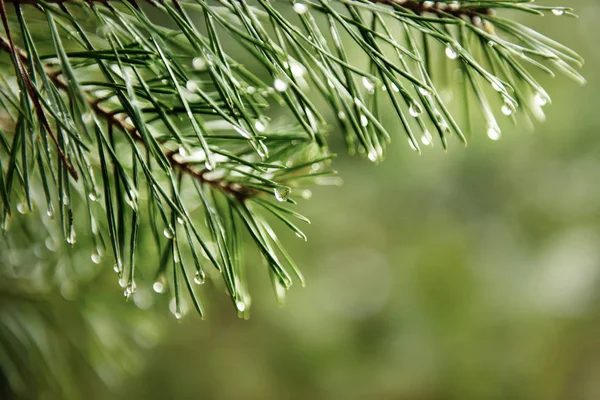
(467, 274)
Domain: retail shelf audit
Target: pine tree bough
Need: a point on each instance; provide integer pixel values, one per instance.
(73, 73)
(118, 121)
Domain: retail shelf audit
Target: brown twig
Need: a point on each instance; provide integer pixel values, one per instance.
(418, 7)
(119, 121)
(437, 7)
(17, 54)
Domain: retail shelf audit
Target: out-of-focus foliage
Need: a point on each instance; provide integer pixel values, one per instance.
(63, 331)
(467, 274)
(487, 261)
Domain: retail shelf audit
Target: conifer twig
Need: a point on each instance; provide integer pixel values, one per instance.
(119, 121)
(181, 99)
(9, 45)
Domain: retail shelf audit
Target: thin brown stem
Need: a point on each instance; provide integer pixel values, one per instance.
(437, 7)
(119, 121)
(17, 55)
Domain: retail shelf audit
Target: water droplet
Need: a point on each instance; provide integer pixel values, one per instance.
(50, 213)
(282, 193)
(540, 100)
(241, 131)
(363, 120)
(132, 199)
(72, 238)
(412, 145)
(259, 126)
(493, 132)
(158, 287)
(262, 150)
(415, 110)
(240, 305)
(491, 43)
(394, 87)
(507, 110)
(192, 86)
(182, 151)
(497, 85)
(96, 257)
(300, 8)
(131, 203)
(342, 115)
(93, 226)
(168, 232)
(451, 53)
(68, 289)
(368, 85)
(122, 280)
(306, 194)
(426, 139)
(180, 221)
(129, 290)
(22, 208)
(280, 291)
(93, 196)
(49, 242)
(424, 91)
(280, 85)
(143, 299)
(177, 308)
(199, 278)
(199, 63)
(372, 155)
(558, 12)
(251, 90)
(297, 69)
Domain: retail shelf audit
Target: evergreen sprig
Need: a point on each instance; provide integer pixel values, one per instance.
(110, 105)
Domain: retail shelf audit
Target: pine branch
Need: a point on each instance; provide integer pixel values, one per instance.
(190, 113)
(9, 45)
(119, 122)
